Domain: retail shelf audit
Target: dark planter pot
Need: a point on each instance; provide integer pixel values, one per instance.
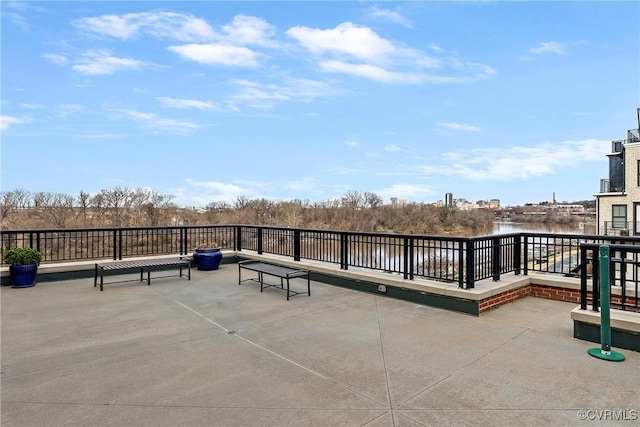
(23, 276)
(207, 258)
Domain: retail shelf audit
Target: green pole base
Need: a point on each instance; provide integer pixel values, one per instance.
(612, 356)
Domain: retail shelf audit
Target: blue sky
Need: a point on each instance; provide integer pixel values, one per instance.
(210, 101)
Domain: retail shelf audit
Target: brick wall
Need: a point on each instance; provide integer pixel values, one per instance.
(542, 291)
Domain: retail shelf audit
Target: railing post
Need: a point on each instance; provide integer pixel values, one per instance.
(595, 283)
(470, 263)
(259, 240)
(296, 245)
(461, 264)
(38, 242)
(344, 251)
(517, 255)
(525, 248)
(411, 257)
(583, 277)
(605, 352)
(114, 243)
(405, 257)
(120, 243)
(495, 258)
(237, 241)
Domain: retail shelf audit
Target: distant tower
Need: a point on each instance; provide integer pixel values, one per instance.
(554, 198)
(448, 199)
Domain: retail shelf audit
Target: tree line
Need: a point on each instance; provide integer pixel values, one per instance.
(137, 207)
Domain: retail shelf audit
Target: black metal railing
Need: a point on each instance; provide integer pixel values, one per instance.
(624, 270)
(458, 260)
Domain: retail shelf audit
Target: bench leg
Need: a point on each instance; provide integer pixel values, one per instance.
(148, 277)
(308, 284)
(189, 267)
(101, 278)
(260, 277)
(287, 288)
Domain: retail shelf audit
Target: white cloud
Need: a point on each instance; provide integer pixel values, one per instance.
(204, 192)
(32, 106)
(6, 121)
(161, 24)
(359, 51)
(347, 39)
(392, 148)
(391, 16)
(218, 54)
(371, 72)
(64, 110)
(352, 144)
(55, 58)
(549, 47)
(460, 126)
(187, 103)
(518, 163)
(96, 62)
(265, 95)
(157, 124)
(249, 30)
(406, 191)
(343, 170)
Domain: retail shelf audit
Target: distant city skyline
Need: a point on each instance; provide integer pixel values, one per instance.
(210, 101)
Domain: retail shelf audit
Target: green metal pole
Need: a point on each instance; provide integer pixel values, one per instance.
(605, 352)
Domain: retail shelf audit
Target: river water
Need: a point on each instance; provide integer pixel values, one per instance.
(502, 227)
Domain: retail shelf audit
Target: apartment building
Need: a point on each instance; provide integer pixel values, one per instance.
(618, 202)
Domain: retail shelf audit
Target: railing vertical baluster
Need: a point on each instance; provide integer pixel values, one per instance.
(238, 239)
(259, 240)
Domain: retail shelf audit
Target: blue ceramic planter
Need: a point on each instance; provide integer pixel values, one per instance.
(23, 276)
(207, 258)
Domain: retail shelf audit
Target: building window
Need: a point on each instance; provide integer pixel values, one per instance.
(619, 216)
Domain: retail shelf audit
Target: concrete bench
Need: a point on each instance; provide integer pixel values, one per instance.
(273, 270)
(144, 265)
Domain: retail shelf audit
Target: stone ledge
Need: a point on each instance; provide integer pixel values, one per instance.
(623, 320)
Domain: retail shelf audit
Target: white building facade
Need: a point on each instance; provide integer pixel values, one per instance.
(618, 202)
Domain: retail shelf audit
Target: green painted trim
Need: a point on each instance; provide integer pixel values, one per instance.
(424, 298)
(628, 340)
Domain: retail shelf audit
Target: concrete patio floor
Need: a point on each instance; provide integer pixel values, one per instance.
(207, 352)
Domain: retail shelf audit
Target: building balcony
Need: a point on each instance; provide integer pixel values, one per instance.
(606, 187)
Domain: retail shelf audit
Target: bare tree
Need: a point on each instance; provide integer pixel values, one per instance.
(12, 202)
(116, 204)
